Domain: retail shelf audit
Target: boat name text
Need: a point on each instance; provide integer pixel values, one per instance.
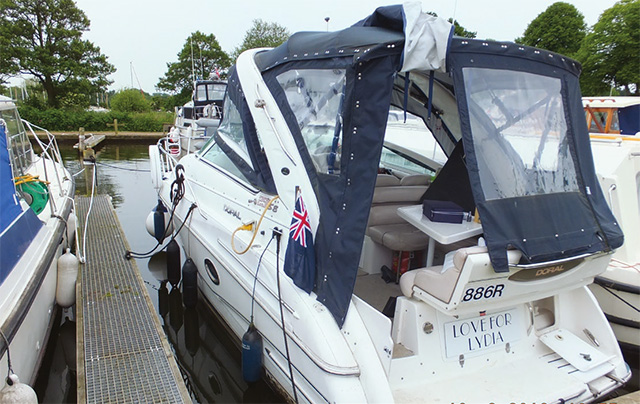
(232, 212)
(483, 332)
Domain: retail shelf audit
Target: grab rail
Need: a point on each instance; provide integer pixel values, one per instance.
(558, 261)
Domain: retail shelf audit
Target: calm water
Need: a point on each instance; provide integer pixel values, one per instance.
(208, 356)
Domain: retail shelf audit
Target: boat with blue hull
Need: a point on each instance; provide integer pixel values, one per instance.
(36, 226)
(298, 199)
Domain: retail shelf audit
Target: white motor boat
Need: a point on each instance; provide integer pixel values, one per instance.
(203, 111)
(616, 154)
(274, 211)
(37, 222)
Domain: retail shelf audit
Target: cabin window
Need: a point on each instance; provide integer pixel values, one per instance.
(598, 117)
(519, 133)
(210, 91)
(216, 91)
(18, 142)
(201, 93)
(315, 97)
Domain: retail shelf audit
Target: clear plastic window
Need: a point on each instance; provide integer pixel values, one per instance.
(315, 97)
(232, 133)
(519, 133)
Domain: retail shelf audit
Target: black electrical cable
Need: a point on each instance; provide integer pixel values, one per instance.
(278, 233)
(255, 279)
(133, 254)
(176, 195)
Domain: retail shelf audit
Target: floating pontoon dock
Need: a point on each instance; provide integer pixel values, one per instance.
(122, 352)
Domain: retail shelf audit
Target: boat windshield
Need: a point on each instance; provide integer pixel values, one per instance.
(315, 97)
(210, 91)
(231, 132)
(18, 142)
(519, 133)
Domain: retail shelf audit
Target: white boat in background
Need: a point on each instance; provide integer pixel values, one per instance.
(612, 115)
(300, 147)
(617, 163)
(203, 111)
(36, 205)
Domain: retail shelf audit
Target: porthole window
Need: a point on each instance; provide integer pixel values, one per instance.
(212, 271)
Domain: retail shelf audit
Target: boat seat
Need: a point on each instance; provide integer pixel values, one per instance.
(385, 226)
(399, 237)
(440, 281)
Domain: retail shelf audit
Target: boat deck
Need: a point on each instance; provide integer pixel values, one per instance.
(122, 353)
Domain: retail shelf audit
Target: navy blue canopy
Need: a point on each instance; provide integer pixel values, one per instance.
(516, 109)
(17, 227)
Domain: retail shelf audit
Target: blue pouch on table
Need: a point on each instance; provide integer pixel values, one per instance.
(443, 211)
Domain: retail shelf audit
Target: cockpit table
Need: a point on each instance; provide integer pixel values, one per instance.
(443, 233)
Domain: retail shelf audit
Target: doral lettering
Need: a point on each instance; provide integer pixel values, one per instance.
(549, 270)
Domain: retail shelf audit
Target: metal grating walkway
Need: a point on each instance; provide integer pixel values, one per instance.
(123, 354)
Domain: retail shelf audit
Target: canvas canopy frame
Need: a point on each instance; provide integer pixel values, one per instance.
(564, 215)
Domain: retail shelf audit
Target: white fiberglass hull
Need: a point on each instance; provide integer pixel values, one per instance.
(28, 294)
(372, 358)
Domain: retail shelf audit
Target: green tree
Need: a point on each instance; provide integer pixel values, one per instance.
(459, 30)
(610, 52)
(560, 28)
(130, 100)
(204, 54)
(262, 34)
(43, 39)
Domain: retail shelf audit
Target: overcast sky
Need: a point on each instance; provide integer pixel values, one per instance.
(149, 33)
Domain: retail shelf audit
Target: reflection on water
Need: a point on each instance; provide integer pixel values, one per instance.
(206, 353)
(208, 356)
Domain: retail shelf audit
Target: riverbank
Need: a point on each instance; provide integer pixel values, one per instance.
(109, 135)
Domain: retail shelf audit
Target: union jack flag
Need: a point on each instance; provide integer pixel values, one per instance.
(299, 260)
(300, 222)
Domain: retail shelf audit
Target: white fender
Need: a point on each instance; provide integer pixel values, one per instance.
(149, 223)
(18, 393)
(67, 276)
(155, 166)
(72, 224)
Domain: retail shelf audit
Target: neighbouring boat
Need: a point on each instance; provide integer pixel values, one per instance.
(298, 183)
(37, 223)
(612, 115)
(616, 154)
(204, 110)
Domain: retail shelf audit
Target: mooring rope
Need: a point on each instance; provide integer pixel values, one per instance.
(140, 170)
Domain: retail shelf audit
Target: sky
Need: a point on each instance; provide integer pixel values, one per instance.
(148, 34)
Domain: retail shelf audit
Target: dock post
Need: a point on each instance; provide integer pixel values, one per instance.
(115, 125)
(81, 139)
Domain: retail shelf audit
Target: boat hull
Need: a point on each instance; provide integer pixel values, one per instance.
(28, 293)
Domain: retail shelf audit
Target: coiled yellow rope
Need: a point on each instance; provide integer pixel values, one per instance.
(23, 179)
(249, 227)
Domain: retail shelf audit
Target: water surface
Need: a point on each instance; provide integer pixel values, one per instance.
(207, 355)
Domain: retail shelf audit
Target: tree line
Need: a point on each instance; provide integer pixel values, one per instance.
(43, 40)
